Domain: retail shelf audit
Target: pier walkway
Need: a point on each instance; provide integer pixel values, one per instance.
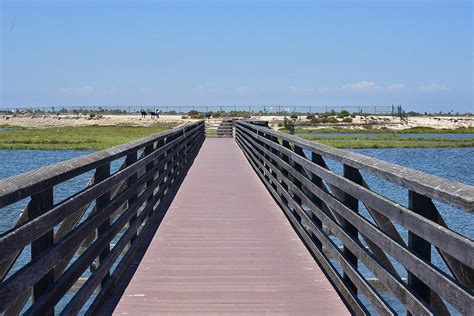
(225, 246)
(252, 222)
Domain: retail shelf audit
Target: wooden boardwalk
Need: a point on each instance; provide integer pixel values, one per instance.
(226, 247)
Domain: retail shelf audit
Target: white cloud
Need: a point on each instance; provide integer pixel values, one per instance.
(361, 86)
(114, 90)
(243, 89)
(297, 89)
(80, 91)
(357, 86)
(396, 87)
(433, 87)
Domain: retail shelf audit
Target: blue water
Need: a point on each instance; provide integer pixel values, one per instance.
(451, 163)
(453, 136)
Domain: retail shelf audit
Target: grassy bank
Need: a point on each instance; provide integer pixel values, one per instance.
(412, 130)
(82, 137)
(391, 141)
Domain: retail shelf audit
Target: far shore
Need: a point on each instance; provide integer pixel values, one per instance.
(359, 123)
(60, 132)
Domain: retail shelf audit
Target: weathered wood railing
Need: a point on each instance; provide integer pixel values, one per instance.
(359, 236)
(219, 128)
(86, 241)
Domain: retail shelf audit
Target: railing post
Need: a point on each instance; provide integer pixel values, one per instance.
(130, 160)
(148, 150)
(102, 202)
(421, 205)
(317, 159)
(40, 204)
(352, 203)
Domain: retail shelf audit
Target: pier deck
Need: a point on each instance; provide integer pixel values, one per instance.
(225, 247)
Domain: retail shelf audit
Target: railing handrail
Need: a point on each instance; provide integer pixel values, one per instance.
(17, 187)
(444, 190)
(343, 222)
(97, 228)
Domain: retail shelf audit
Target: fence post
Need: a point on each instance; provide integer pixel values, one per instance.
(148, 150)
(102, 202)
(130, 160)
(352, 203)
(423, 206)
(40, 204)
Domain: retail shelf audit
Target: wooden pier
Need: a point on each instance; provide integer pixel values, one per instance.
(251, 222)
(225, 247)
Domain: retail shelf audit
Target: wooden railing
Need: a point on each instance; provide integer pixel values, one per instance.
(222, 128)
(379, 254)
(86, 241)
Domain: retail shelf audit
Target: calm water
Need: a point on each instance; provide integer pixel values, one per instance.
(452, 163)
(454, 136)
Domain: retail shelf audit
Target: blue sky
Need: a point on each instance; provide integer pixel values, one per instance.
(69, 53)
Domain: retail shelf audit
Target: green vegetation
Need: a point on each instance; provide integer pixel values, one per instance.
(412, 130)
(82, 137)
(390, 141)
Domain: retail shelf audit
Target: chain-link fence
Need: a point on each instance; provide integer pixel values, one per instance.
(235, 109)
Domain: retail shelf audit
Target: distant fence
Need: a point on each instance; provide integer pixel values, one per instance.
(252, 109)
(88, 240)
(359, 236)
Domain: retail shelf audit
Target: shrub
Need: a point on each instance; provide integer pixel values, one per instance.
(193, 113)
(216, 114)
(333, 120)
(294, 117)
(91, 115)
(310, 117)
(315, 120)
(347, 120)
(184, 117)
(344, 113)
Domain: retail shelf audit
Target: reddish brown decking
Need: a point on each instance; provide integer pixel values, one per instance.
(226, 247)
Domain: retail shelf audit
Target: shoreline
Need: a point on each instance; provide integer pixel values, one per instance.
(82, 132)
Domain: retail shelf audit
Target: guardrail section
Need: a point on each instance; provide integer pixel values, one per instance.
(378, 254)
(81, 245)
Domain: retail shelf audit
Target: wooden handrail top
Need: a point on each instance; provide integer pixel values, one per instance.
(17, 187)
(444, 190)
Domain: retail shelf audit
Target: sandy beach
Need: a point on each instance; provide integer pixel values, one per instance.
(275, 122)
